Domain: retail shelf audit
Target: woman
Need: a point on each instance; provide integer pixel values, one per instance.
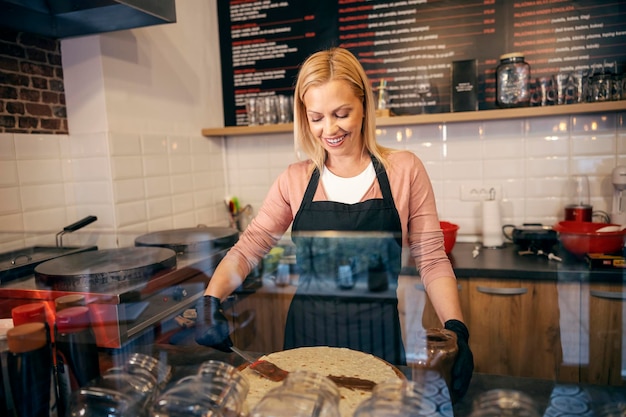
(378, 200)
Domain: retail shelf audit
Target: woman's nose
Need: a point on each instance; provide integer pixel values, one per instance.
(330, 126)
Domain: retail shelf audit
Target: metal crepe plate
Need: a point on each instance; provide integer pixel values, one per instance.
(104, 270)
(191, 239)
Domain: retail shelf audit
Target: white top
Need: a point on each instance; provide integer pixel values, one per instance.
(348, 190)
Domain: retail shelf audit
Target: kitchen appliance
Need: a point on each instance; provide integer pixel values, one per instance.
(129, 291)
(531, 236)
(20, 262)
(578, 207)
(104, 270)
(618, 212)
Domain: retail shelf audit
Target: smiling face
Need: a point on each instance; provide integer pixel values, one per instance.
(335, 117)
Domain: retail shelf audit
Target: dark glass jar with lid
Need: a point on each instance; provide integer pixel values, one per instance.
(513, 81)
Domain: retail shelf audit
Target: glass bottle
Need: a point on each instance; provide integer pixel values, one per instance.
(38, 313)
(504, 402)
(513, 81)
(383, 96)
(77, 358)
(302, 394)
(5, 401)
(29, 365)
(396, 398)
(218, 389)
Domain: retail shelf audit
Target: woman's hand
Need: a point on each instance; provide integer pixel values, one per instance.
(464, 364)
(212, 327)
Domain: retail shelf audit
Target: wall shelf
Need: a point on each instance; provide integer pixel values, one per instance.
(421, 119)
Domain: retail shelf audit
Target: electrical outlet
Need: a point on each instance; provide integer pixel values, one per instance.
(480, 192)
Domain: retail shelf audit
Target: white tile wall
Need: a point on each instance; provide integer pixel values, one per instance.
(138, 183)
(530, 160)
(132, 183)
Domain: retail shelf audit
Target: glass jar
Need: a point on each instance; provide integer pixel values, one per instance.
(617, 409)
(513, 81)
(504, 402)
(433, 351)
(396, 398)
(217, 390)
(302, 394)
(124, 391)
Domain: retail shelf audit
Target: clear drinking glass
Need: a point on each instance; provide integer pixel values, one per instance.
(284, 109)
(546, 91)
(567, 88)
(251, 111)
(601, 87)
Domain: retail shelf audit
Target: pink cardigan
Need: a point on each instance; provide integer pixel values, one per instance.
(413, 197)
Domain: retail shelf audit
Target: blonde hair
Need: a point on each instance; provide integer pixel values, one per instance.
(318, 69)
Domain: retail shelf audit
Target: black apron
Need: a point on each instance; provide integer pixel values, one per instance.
(348, 258)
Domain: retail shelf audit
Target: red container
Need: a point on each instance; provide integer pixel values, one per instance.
(449, 235)
(579, 213)
(581, 238)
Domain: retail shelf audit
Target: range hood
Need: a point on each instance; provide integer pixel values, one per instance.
(68, 18)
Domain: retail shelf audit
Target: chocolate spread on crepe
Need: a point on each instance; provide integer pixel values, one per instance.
(324, 360)
(274, 373)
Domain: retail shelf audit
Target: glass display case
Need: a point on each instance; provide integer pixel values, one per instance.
(552, 330)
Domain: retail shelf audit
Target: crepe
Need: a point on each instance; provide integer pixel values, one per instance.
(325, 361)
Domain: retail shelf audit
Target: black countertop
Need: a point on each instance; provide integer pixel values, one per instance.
(506, 262)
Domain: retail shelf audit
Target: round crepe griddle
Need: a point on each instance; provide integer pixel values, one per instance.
(104, 270)
(193, 239)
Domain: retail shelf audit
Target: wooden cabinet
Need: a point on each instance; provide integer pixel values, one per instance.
(514, 327)
(562, 331)
(416, 310)
(259, 318)
(420, 307)
(607, 335)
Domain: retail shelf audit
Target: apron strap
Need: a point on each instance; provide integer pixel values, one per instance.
(307, 199)
(383, 180)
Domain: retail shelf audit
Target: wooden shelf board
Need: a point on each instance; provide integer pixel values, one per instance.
(420, 119)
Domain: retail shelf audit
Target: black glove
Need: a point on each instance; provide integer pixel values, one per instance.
(464, 363)
(211, 325)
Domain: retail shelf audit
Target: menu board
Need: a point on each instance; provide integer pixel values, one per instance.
(411, 44)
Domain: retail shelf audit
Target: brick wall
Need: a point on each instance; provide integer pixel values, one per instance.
(32, 97)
